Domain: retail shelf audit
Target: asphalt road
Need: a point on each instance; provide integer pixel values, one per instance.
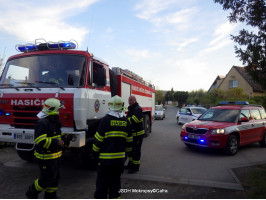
(168, 170)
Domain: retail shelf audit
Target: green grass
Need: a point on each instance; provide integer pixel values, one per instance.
(255, 182)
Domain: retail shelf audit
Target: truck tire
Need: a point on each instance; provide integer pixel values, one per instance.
(85, 154)
(232, 145)
(147, 126)
(263, 141)
(26, 155)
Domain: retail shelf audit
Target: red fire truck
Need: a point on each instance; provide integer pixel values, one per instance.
(83, 83)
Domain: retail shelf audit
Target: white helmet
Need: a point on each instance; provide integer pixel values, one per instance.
(51, 106)
(115, 103)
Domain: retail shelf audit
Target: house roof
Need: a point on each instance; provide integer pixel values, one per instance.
(256, 87)
(219, 77)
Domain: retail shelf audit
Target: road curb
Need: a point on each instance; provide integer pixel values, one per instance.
(186, 181)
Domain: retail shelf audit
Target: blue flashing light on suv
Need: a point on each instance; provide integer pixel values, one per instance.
(233, 103)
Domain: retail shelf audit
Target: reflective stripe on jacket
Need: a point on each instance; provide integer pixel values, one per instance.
(113, 139)
(47, 134)
(135, 117)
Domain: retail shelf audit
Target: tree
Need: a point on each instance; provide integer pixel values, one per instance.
(236, 94)
(169, 96)
(196, 96)
(159, 97)
(181, 97)
(253, 13)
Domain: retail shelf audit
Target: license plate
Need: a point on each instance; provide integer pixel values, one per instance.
(192, 136)
(27, 137)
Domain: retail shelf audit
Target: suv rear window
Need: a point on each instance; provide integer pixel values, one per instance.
(263, 114)
(220, 115)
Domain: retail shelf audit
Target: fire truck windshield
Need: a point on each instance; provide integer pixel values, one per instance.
(62, 70)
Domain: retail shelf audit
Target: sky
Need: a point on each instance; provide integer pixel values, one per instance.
(179, 44)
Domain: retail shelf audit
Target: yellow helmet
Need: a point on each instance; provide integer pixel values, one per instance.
(115, 103)
(51, 106)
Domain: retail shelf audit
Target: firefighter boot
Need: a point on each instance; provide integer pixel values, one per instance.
(133, 169)
(32, 193)
(128, 166)
(50, 195)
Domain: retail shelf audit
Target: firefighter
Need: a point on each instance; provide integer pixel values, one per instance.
(111, 142)
(55, 75)
(48, 150)
(135, 117)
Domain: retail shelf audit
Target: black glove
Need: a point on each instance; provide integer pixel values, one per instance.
(67, 139)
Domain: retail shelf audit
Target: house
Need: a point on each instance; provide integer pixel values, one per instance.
(238, 77)
(219, 79)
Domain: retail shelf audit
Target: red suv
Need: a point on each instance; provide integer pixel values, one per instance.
(227, 126)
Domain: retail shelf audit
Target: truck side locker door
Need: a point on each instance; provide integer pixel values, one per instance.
(125, 93)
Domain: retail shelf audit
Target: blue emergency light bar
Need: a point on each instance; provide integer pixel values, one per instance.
(46, 46)
(233, 103)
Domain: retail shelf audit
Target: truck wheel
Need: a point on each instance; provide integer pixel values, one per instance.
(263, 141)
(232, 145)
(147, 126)
(26, 155)
(86, 159)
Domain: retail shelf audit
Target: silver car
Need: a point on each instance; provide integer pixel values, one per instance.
(159, 112)
(188, 114)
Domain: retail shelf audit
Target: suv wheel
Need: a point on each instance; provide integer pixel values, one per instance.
(263, 141)
(232, 145)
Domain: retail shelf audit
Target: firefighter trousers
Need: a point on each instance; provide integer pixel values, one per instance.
(48, 181)
(108, 181)
(135, 155)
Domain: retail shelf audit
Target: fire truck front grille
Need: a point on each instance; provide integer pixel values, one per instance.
(25, 116)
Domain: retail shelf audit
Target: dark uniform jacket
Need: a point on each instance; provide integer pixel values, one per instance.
(112, 140)
(47, 135)
(135, 116)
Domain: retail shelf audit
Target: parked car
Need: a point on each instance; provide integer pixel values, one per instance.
(159, 112)
(228, 126)
(188, 114)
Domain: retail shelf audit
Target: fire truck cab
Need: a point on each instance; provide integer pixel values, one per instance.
(83, 83)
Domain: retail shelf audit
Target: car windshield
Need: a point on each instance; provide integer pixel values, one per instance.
(158, 108)
(59, 70)
(198, 110)
(220, 115)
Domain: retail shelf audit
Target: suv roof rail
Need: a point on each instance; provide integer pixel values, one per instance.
(255, 105)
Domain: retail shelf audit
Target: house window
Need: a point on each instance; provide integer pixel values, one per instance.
(233, 83)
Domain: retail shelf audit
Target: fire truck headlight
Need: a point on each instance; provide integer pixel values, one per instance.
(217, 131)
